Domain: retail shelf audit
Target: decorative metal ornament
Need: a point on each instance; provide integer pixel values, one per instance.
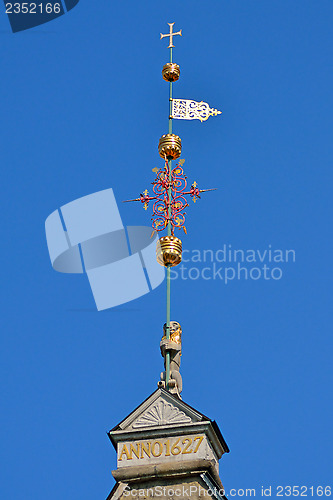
(171, 72)
(186, 109)
(169, 200)
(171, 34)
(170, 145)
(169, 251)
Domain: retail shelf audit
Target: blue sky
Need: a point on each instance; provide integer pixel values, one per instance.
(83, 107)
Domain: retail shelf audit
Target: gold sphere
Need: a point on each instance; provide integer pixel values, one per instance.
(170, 145)
(171, 72)
(169, 251)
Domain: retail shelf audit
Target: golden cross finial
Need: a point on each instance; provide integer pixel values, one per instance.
(171, 35)
(145, 192)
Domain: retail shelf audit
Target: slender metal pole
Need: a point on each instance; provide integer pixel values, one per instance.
(168, 301)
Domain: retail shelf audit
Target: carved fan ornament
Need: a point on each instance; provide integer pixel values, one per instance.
(162, 413)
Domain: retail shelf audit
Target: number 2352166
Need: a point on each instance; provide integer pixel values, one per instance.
(33, 8)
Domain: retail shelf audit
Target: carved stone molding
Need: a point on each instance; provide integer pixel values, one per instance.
(162, 413)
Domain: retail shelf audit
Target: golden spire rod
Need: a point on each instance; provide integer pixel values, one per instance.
(169, 202)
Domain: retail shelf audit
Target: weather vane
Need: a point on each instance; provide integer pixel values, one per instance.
(169, 202)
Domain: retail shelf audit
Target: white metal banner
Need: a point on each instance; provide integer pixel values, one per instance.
(186, 109)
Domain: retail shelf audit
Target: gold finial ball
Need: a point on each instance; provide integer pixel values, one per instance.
(170, 145)
(169, 251)
(171, 72)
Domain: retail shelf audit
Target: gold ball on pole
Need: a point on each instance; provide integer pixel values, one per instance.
(171, 72)
(169, 251)
(170, 145)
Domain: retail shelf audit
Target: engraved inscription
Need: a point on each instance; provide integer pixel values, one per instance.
(159, 448)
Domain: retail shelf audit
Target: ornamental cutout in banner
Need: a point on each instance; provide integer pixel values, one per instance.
(186, 109)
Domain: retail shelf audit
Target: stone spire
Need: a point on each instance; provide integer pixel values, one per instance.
(165, 448)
